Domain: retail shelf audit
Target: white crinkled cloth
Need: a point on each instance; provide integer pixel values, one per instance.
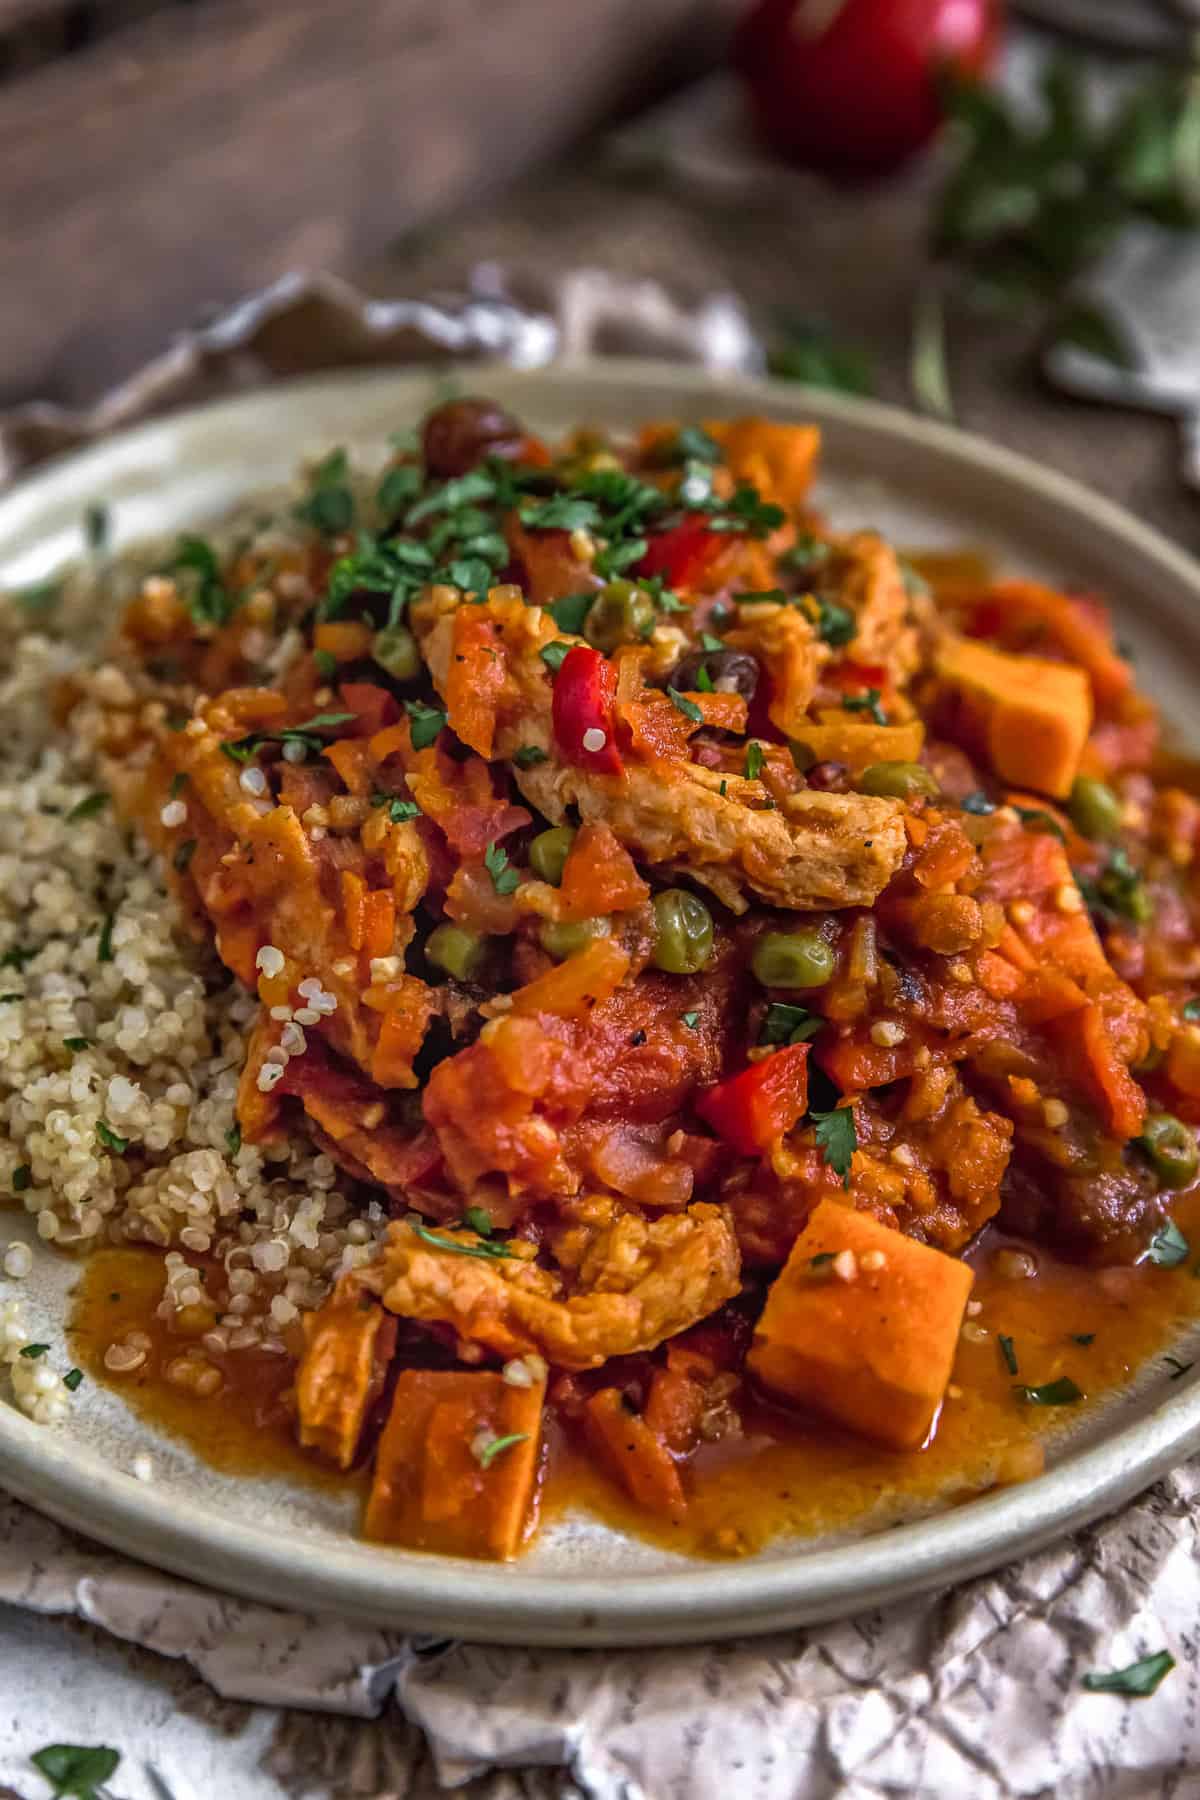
(974, 1694)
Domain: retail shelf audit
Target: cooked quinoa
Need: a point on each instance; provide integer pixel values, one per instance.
(121, 1037)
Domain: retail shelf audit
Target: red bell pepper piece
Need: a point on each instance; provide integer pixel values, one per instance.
(373, 707)
(682, 554)
(584, 727)
(753, 1110)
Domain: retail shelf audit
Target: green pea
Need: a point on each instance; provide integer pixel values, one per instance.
(684, 928)
(458, 951)
(548, 853)
(897, 781)
(1170, 1148)
(1095, 810)
(395, 649)
(793, 959)
(564, 939)
(622, 613)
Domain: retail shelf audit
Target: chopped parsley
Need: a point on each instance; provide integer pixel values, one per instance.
(326, 663)
(754, 760)
(72, 1379)
(837, 1139)
(1191, 1009)
(835, 625)
(687, 707)
(977, 802)
(34, 1351)
(748, 512)
(555, 654)
(77, 1043)
(426, 723)
(711, 643)
(821, 1260)
(16, 958)
(1083, 1337)
(1168, 1247)
(1062, 1392)
(104, 944)
(690, 444)
(486, 1454)
(505, 879)
(87, 808)
(570, 612)
(178, 782)
(183, 856)
(1119, 890)
(396, 568)
(563, 512)
(110, 1139)
(1008, 1353)
(490, 1252)
(868, 703)
(617, 557)
(690, 1019)
(233, 1139)
(398, 810)
(479, 1219)
(21, 1178)
(241, 750)
(329, 506)
(704, 681)
(529, 755)
(76, 1769)
(784, 1023)
(398, 489)
(207, 598)
(1138, 1681)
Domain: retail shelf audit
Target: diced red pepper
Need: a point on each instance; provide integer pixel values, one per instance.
(682, 554)
(753, 1110)
(584, 690)
(373, 707)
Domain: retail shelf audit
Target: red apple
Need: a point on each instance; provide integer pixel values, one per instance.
(852, 86)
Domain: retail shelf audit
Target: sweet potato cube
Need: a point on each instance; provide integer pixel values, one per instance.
(340, 1374)
(1031, 716)
(438, 1484)
(873, 1351)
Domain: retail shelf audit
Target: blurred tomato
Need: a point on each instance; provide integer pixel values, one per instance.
(851, 86)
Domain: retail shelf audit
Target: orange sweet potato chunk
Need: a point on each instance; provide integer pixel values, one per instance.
(338, 1377)
(1033, 715)
(874, 1352)
(434, 1486)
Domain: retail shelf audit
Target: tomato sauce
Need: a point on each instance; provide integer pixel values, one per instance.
(785, 1474)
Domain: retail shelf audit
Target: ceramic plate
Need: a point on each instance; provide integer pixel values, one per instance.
(584, 1583)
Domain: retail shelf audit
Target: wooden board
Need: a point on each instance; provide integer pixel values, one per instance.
(201, 152)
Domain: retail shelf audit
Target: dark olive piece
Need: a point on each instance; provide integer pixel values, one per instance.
(460, 433)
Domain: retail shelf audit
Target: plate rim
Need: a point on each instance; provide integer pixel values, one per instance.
(701, 1600)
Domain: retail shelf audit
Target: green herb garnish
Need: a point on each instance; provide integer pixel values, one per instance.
(690, 1019)
(1168, 1247)
(563, 512)
(1083, 1337)
(104, 944)
(110, 1139)
(487, 1453)
(709, 642)
(687, 707)
(1008, 1353)
(426, 723)
(784, 1023)
(21, 1178)
(208, 600)
(528, 756)
(1191, 1009)
(399, 487)
(479, 1219)
(555, 654)
(977, 802)
(77, 1770)
(490, 1252)
(807, 352)
(233, 1139)
(1034, 819)
(87, 808)
(183, 856)
(754, 760)
(326, 663)
(505, 879)
(77, 1043)
(868, 703)
(34, 1351)
(330, 504)
(1138, 1680)
(1062, 1392)
(837, 1139)
(570, 612)
(72, 1379)
(398, 810)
